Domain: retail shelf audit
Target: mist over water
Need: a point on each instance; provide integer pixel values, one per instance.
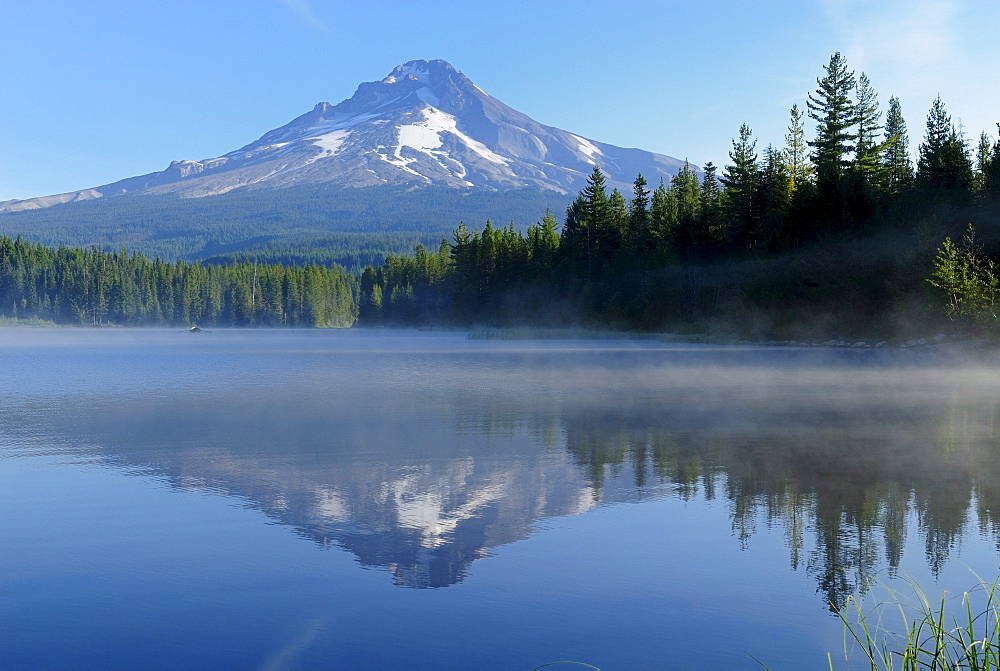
(615, 502)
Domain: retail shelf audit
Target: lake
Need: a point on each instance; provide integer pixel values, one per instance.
(280, 499)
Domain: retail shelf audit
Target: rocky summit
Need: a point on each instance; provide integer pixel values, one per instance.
(426, 123)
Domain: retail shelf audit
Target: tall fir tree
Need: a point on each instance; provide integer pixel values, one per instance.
(686, 189)
(613, 241)
(830, 105)
(772, 200)
(943, 166)
(992, 182)
(600, 221)
(574, 240)
(984, 154)
(663, 224)
(800, 168)
(638, 237)
(711, 206)
(897, 167)
(868, 147)
(740, 180)
(543, 240)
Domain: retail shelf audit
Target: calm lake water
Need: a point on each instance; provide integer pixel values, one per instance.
(352, 499)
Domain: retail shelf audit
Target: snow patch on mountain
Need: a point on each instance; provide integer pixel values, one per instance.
(438, 122)
(588, 148)
(416, 69)
(427, 137)
(331, 142)
(426, 95)
(401, 162)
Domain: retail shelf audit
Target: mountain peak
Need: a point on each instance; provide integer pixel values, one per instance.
(422, 71)
(424, 123)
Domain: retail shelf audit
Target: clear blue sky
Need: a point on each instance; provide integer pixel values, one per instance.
(101, 90)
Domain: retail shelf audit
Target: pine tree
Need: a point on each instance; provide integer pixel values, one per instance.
(575, 240)
(543, 241)
(772, 200)
(800, 169)
(831, 107)
(739, 179)
(897, 168)
(943, 166)
(663, 223)
(600, 222)
(984, 154)
(686, 190)
(711, 205)
(638, 237)
(614, 240)
(992, 182)
(868, 149)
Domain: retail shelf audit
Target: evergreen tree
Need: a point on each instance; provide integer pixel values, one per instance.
(984, 154)
(371, 297)
(464, 277)
(613, 243)
(591, 231)
(772, 200)
(830, 105)
(639, 240)
(663, 224)
(835, 114)
(943, 166)
(868, 148)
(897, 168)
(992, 181)
(686, 190)
(543, 240)
(600, 222)
(711, 206)
(575, 240)
(739, 179)
(800, 170)
(969, 280)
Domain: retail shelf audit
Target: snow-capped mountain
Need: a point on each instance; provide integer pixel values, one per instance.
(425, 123)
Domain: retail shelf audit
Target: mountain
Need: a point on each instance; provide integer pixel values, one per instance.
(426, 123)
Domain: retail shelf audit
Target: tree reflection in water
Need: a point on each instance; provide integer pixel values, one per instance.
(424, 464)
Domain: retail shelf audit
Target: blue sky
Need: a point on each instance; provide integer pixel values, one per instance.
(101, 90)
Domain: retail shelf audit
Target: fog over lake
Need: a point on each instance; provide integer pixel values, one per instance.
(401, 499)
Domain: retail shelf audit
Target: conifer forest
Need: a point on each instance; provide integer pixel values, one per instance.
(839, 234)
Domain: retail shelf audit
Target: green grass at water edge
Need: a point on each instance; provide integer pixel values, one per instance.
(961, 631)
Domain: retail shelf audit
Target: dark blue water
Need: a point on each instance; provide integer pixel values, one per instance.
(352, 499)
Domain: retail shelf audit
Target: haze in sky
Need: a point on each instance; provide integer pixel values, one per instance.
(100, 91)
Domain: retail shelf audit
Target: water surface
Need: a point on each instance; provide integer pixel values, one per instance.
(339, 499)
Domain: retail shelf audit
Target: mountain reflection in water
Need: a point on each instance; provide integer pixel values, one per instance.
(422, 461)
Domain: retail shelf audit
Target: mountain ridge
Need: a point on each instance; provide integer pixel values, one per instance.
(425, 123)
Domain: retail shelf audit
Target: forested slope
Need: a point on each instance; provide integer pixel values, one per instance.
(92, 287)
(352, 227)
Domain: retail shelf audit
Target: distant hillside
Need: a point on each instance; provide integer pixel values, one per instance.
(317, 223)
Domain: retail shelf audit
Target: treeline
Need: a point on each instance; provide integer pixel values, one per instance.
(322, 224)
(778, 228)
(92, 287)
